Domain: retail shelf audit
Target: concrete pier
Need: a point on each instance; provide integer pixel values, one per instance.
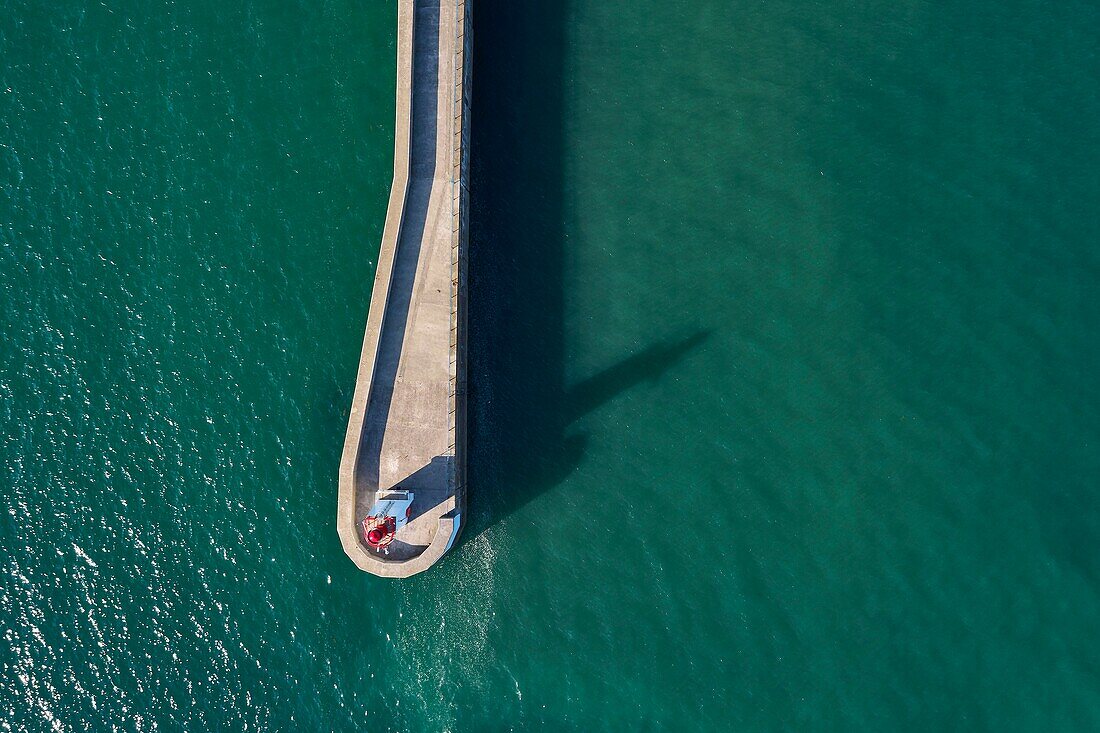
(407, 424)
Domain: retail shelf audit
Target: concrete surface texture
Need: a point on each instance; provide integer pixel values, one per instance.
(406, 428)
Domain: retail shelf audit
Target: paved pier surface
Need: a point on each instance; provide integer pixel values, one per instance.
(407, 422)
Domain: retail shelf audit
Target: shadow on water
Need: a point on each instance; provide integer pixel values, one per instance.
(647, 365)
(521, 440)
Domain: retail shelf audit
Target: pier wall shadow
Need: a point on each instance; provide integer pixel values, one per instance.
(422, 166)
(522, 436)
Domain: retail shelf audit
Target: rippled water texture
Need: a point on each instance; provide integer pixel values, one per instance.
(784, 331)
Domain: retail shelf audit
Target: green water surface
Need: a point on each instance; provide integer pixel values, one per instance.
(784, 406)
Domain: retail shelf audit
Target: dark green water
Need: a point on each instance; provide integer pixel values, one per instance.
(784, 404)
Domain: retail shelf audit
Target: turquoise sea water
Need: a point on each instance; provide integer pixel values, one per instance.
(784, 340)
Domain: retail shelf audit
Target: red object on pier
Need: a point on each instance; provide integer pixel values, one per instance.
(379, 531)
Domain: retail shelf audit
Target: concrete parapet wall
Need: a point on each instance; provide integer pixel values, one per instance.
(460, 182)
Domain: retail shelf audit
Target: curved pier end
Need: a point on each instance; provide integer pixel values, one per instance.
(407, 424)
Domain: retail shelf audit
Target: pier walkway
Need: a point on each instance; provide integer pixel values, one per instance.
(407, 423)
